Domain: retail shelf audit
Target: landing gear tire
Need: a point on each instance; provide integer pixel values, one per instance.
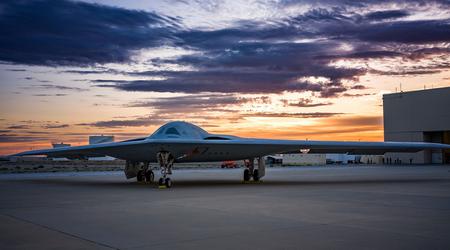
(168, 183)
(140, 176)
(149, 176)
(255, 175)
(246, 175)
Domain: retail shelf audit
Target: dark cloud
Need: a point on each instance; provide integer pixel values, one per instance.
(365, 55)
(240, 81)
(408, 32)
(358, 87)
(343, 4)
(43, 95)
(53, 126)
(199, 103)
(358, 121)
(305, 103)
(18, 127)
(404, 72)
(386, 14)
(357, 95)
(5, 131)
(293, 115)
(45, 32)
(16, 70)
(138, 122)
(38, 132)
(58, 87)
(191, 102)
(17, 138)
(98, 71)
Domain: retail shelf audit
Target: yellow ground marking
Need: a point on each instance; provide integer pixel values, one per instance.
(251, 182)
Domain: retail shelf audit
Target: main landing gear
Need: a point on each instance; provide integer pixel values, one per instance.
(165, 160)
(146, 176)
(140, 170)
(251, 172)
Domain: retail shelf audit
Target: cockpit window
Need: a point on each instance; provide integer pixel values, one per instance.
(172, 131)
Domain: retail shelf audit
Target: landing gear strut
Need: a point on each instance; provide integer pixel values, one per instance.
(140, 170)
(145, 175)
(251, 172)
(165, 160)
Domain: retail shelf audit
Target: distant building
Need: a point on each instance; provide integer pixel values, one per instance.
(60, 145)
(372, 159)
(341, 158)
(274, 159)
(418, 116)
(97, 139)
(304, 159)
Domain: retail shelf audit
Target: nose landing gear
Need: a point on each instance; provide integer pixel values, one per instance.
(165, 160)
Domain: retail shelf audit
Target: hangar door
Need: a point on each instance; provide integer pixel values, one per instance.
(446, 140)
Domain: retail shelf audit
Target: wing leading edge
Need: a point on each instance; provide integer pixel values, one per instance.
(235, 148)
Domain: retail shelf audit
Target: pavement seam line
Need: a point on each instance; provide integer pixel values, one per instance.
(59, 231)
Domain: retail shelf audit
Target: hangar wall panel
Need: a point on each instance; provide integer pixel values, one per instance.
(422, 116)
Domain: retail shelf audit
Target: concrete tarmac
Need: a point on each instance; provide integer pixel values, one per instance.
(363, 207)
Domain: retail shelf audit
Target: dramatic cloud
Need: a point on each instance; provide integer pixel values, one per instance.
(45, 32)
(408, 32)
(229, 81)
(248, 57)
(139, 122)
(191, 102)
(265, 58)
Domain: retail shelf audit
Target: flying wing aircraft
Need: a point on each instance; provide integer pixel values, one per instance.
(180, 141)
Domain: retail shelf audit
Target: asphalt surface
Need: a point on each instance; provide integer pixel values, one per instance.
(293, 208)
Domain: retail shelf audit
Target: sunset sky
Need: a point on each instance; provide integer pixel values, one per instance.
(273, 69)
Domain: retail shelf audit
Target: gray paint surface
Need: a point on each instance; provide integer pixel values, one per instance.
(372, 207)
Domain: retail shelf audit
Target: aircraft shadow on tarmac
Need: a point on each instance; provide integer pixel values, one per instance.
(224, 183)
